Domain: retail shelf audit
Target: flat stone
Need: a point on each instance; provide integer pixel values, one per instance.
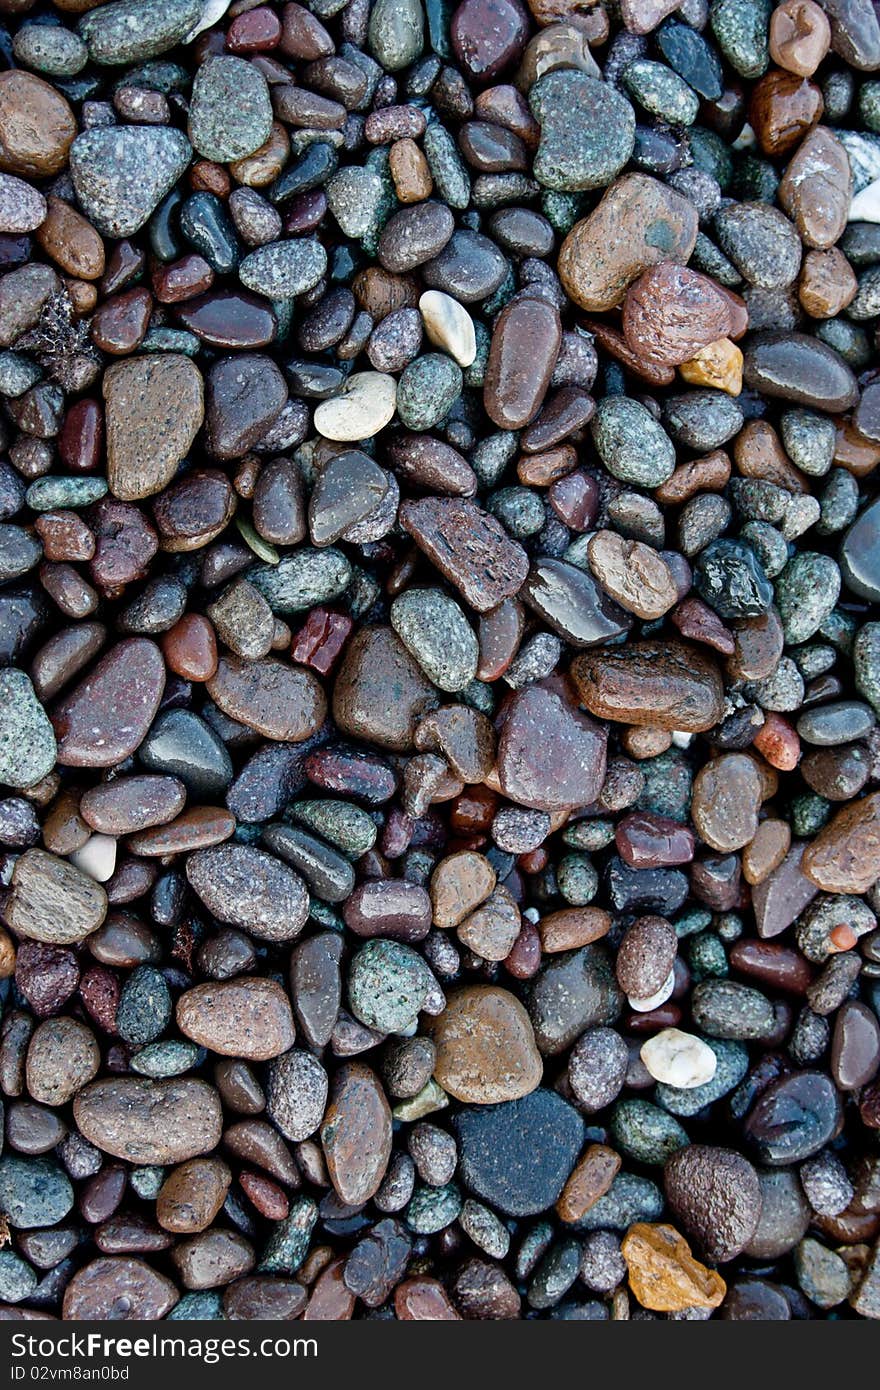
(154, 410)
(550, 755)
(657, 685)
(380, 690)
(27, 740)
(727, 796)
(37, 125)
(247, 888)
(106, 717)
(517, 1155)
(230, 113)
(356, 1133)
(145, 1121)
(118, 1287)
(35, 1193)
(52, 901)
(248, 1018)
(845, 855)
(486, 1051)
(121, 173)
(469, 547)
(128, 31)
(280, 702)
(246, 394)
(587, 131)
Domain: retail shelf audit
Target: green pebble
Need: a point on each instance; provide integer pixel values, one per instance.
(27, 739)
(587, 131)
(169, 1058)
(427, 390)
(806, 592)
(741, 28)
(809, 813)
(303, 579)
(646, 1133)
(632, 445)
(630, 1198)
(577, 879)
(661, 92)
(387, 985)
(519, 509)
(706, 956)
(432, 1209)
(589, 834)
(452, 181)
(344, 824)
(49, 494)
(289, 1242)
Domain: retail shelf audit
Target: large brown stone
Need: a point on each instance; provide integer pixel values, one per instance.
(154, 410)
(250, 1017)
(147, 1121)
(37, 125)
(356, 1134)
(639, 223)
(106, 717)
(381, 691)
(845, 855)
(469, 547)
(486, 1051)
(550, 755)
(280, 701)
(660, 685)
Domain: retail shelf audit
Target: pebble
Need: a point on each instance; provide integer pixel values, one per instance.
(490, 1142)
(106, 717)
(154, 409)
(632, 445)
(356, 1134)
(844, 856)
(366, 406)
(583, 150)
(794, 1118)
(662, 686)
(250, 1019)
(122, 173)
(523, 352)
(148, 1121)
(486, 1052)
(380, 690)
(230, 113)
(434, 629)
(679, 1059)
(52, 901)
(247, 888)
(449, 326)
(663, 1274)
(27, 740)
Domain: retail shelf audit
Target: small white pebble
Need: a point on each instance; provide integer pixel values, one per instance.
(363, 408)
(681, 738)
(679, 1059)
(449, 326)
(865, 206)
(97, 857)
(644, 1006)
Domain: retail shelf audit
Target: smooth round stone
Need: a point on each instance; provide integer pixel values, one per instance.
(238, 1018)
(245, 887)
(449, 326)
(246, 394)
(523, 352)
(794, 1118)
(380, 691)
(389, 908)
(414, 235)
(284, 269)
(427, 390)
(27, 740)
(54, 51)
(816, 188)
(727, 796)
(356, 1134)
(632, 445)
(860, 554)
(660, 91)
(34, 1192)
(121, 173)
(395, 32)
(716, 1195)
(328, 874)
(587, 131)
(571, 993)
(761, 242)
(550, 755)
(679, 1059)
(388, 984)
(469, 268)
(486, 1049)
(230, 113)
(186, 748)
(855, 1046)
(794, 367)
(488, 36)
(22, 208)
(107, 716)
(350, 487)
(355, 197)
(145, 1121)
(103, 1287)
(434, 629)
(62, 1057)
(571, 602)
(303, 579)
(841, 722)
(191, 1195)
(278, 701)
(655, 685)
(365, 406)
(493, 1139)
(36, 125)
(226, 319)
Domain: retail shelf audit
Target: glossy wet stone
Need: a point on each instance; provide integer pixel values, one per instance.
(794, 1118)
(250, 889)
(490, 1140)
(668, 686)
(549, 754)
(485, 1047)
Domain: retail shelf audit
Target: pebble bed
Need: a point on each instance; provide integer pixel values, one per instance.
(440, 640)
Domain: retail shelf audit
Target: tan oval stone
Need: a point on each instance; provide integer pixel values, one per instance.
(633, 574)
(154, 410)
(249, 1018)
(663, 685)
(37, 125)
(486, 1050)
(845, 855)
(356, 1133)
(458, 885)
(146, 1121)
(726, 799)
(71, 241)
(53, 901)
(192, 1194)
(63, 1056)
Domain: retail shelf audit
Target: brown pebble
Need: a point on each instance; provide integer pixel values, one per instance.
(356, 1133)
(486, 1051)
(192, 1195)
(248, 1018)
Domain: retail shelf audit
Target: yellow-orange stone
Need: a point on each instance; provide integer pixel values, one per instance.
(720, 366)
(663, 1274)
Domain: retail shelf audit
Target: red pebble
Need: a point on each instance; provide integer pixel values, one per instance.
(320, 641)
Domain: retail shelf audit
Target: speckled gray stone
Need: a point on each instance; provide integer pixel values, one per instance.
(435, 630)
(121, 173)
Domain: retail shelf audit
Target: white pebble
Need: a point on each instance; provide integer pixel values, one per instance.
(449, 326)
(679, 1059)
(644, 1006)
(364, 407)
(865, 206)
(212, 10)
(97, 857)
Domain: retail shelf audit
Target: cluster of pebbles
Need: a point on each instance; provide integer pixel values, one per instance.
(439, 584)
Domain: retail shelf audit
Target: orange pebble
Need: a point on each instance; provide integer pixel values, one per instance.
(842, 937)
(190, 648)
(778, 742)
